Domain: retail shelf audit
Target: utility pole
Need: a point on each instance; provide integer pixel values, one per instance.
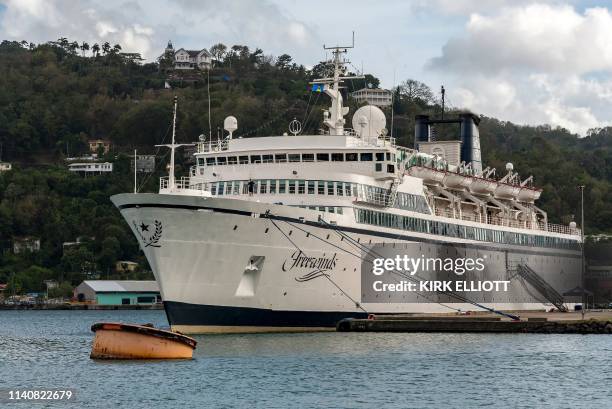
(135, 159)
(442, 91)
(581, 187)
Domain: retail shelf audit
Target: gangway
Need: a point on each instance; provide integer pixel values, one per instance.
(541, 286)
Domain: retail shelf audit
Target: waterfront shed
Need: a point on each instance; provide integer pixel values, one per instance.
(118, 292)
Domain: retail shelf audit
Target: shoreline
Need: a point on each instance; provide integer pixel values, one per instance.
(58, 307)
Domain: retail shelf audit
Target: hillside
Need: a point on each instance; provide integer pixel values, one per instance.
(56, 96)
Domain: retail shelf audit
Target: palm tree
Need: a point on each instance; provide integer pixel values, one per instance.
(84, 47)
(106, 48)
(95, 49)
(116, 49)
(73, 47)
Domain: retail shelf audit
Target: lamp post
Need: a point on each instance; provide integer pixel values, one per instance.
(581, 187)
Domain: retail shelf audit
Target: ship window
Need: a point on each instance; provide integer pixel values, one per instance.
(255, 159)
(292, 184)
(337, 157)
(339, 190)
(281, 158)
(213, 189)
(294, 157)
(320, 187)
(321, 208)
(273, 186)
(339, 210)
(263, 184)
(390, 168)
(351, 157)
(347, 189)
(282, 186)
(330, 188)
(220, 189)
(301, 187)
(307, 157)
(311, 187)
(267, 159)
(380, 156)
(330, 209)
(388, 155)
(231, 160)
(322, 157)
(366, 157)
(378, 167)
(200, 161)
(245, 187)
(243, 160)
(221, 160)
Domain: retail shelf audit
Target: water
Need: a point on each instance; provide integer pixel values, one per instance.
(51, 349)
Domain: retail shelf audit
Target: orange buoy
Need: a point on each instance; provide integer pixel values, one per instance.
(128, 341)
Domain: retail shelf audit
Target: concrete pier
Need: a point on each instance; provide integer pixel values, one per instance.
(540, 323)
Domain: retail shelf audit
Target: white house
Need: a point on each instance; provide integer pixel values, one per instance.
(91, 167)
(373, 96)
(189, 59)
(4, 166)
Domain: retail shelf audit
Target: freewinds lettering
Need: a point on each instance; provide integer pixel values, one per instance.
(318, 266)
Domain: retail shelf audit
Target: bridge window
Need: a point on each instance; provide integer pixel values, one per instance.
(267, 159)
(282, 186)
(294, 157)
(337, 157)
(292, 184)
(351, 157)
(273, 186)
(322, 157)
(330, 188)
(311, 187)
(301, 187)
(232, 160)
(263, 184)
(243, 160)
(307, 157)
(380, 156)
(255, 158)
(320, 187)
(221, 160)
(390, 168)
(281, 158)
(200, 161)
(366, 157)
(211, 161)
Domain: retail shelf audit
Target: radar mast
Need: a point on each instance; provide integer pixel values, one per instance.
(333, 118)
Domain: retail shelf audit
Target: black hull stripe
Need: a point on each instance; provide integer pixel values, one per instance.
(197, 314)
(393, 236)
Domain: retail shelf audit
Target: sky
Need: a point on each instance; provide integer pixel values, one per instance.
(524, 61)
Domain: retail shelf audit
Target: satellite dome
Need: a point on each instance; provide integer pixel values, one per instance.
(509, 167)
(230, 124)
(369, 120)
(572, 225)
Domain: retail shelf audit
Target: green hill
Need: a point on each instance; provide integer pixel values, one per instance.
(54, 98)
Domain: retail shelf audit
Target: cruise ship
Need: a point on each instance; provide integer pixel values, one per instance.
(266, 233)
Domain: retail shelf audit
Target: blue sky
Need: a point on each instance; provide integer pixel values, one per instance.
(519, 60)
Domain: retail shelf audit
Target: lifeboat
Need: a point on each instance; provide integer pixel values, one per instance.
(128, 341)
(430, 176)
(456, 181)
(529, 194)
(506, 191)
(483, 186)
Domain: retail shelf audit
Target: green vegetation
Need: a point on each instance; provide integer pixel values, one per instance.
(54, 97)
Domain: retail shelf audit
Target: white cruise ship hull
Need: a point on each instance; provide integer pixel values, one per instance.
(226, 265)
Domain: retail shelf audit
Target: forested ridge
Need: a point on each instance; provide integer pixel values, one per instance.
(56, 96)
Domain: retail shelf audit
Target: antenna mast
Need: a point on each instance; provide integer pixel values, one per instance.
(443, 91)
(334, 116)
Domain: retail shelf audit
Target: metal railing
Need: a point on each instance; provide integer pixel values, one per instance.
(182, 183)
(213, 146)
(500, 221)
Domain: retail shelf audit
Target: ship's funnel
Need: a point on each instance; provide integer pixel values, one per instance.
(421, 129)
(470, 141)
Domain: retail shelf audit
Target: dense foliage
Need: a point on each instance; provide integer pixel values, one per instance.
(56, 96)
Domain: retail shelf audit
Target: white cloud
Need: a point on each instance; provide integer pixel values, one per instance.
(534, 63)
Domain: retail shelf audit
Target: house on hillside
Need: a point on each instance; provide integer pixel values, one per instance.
(91, 167)
(373, 96)
(23, 244)
(5, 166)
(96, 144)
(188, 59)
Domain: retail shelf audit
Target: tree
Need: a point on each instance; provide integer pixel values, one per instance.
(106, 48)
(84, 47)
(116, 49)
(95, 49)
(413, 90)
(218, 51)
(284, 61)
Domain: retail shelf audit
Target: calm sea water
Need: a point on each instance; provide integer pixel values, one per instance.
(51, 349)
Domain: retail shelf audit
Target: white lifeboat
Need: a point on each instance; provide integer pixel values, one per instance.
(482, 186)
(430, 176)
(456, 181)
(529, 194)
(507, 191)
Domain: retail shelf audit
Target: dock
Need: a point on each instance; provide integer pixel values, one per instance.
(534, 323)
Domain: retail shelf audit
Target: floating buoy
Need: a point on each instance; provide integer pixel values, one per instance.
(129, 341)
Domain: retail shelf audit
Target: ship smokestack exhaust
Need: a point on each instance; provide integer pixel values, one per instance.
(421, 129)
(470, 141)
